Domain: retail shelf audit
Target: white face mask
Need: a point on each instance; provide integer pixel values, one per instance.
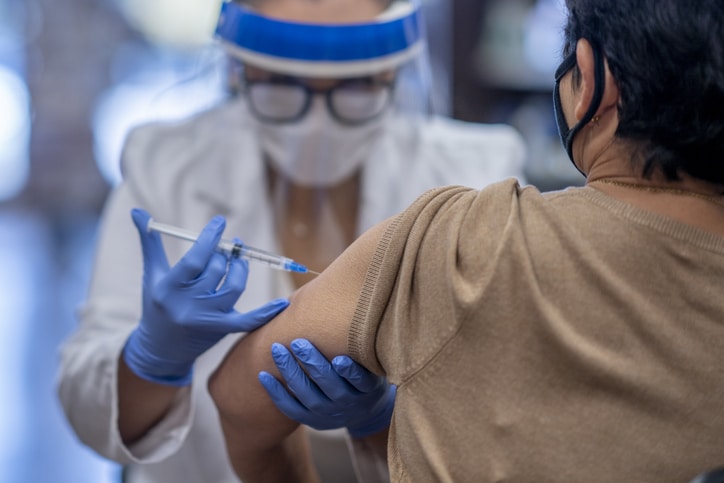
(318, 151)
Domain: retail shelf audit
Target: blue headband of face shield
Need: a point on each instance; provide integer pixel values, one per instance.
(319, 50)
(567, 134)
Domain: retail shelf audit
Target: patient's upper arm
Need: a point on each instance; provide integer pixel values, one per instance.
(321, 311)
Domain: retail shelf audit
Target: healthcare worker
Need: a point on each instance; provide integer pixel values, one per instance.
(330, 132)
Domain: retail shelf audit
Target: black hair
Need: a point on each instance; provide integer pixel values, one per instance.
(667, 57)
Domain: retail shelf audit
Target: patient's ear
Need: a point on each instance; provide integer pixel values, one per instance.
(586, 65)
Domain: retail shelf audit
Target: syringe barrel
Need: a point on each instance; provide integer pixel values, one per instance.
(232, 248)
(274, 261)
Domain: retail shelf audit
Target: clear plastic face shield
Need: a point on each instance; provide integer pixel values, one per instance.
(323, 96)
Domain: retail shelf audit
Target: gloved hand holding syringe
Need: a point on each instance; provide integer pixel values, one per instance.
(188, 307)
(234, 249)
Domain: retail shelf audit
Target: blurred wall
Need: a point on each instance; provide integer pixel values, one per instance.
(69, 46)
(62, 50)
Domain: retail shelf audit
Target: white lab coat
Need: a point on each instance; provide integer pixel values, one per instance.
(184, 173)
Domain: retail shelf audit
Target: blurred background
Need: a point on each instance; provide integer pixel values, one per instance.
(75, 75)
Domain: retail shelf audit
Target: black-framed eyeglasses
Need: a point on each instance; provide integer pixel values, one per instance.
(283, 100)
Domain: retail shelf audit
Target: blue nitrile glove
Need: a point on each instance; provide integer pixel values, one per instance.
(340, 394)
(189, 307)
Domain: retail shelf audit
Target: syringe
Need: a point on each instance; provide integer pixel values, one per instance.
(234, 249)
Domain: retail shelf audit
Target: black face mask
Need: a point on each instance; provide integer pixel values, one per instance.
(567, 133)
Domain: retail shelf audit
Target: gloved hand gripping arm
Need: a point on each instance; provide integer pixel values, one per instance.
(186, 309)
(336, 394)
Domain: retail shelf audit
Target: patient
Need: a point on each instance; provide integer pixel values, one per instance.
(566, 336)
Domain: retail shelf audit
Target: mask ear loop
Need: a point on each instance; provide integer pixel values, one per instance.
(599, 74)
